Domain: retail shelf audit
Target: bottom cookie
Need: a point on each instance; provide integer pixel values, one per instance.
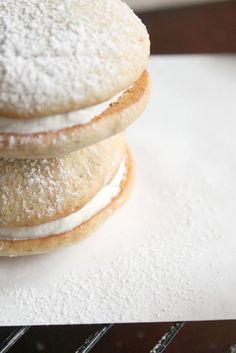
(14, 248)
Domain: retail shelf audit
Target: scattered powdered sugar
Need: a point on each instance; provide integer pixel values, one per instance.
(150, 282)
(170, 253)
(58, 55)
(154, 261)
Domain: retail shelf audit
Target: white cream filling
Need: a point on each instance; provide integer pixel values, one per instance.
(102, 199)
(57, 122)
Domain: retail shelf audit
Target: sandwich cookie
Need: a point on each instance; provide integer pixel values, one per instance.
(72, 73)
(48, 204)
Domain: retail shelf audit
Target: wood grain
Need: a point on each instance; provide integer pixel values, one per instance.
(207, 28)
(195, 337)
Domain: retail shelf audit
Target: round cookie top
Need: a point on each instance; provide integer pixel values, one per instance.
(57, 56)
(38, 191)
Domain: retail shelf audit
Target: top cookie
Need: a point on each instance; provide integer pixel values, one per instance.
(57, 56)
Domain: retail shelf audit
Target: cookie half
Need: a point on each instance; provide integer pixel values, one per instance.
(56, 135)
(59, 56)
(37, 191)
(79, 224)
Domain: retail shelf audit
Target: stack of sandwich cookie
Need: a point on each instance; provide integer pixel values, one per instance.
(72, 78)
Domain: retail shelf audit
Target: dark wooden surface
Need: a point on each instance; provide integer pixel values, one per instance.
(209, 337)
(207, 28)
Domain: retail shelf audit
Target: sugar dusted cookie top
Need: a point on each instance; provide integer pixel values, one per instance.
(38, 191)
(58, 56)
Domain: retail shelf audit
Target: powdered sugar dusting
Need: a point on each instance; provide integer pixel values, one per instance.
(59, 55)
(41, 189)
(43, 180)
(65, 224)
(170, 253)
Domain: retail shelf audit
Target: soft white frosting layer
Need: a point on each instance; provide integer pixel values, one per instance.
(56, 122)
(102, 199)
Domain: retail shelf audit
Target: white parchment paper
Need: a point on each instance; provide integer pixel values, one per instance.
(170, 253)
